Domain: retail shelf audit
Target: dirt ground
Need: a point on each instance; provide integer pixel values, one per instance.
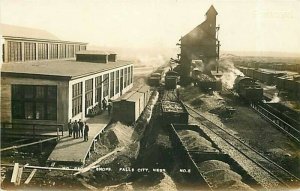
(247, 125)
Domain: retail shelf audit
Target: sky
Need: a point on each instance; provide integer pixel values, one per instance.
(245, 25)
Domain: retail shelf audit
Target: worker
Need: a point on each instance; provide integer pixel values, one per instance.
(86, 132)
(75, 129)
(70, 128)
(109, 107)
(80, 132)
(104, 104)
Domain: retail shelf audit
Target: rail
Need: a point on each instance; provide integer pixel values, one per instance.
(33, 130)
(286, 128)
(248, 147)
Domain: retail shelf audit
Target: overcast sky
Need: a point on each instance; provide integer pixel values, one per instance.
(252, 25)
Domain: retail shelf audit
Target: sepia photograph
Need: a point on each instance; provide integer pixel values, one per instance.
(158, 95)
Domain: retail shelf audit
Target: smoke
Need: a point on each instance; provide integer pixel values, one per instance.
(275, 98)
(230, 72)
(152, 61)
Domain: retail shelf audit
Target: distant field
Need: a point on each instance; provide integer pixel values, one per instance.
(270, 60)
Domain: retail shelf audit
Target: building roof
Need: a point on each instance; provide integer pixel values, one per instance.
(95, 52)
(212, 10)
(58, 68)
(134, 97)
(13, 31)
(199, 32)
(25, 32)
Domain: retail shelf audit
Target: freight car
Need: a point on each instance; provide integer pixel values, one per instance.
(154, 79)
(204, 81)
(248, 89)
(173, 110)
(171, 80)
(290, 84)
(129, 107)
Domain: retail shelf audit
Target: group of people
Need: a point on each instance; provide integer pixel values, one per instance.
(78, 129)
(104, 106)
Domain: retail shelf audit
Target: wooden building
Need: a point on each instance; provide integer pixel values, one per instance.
(201, 43)
(43, 83)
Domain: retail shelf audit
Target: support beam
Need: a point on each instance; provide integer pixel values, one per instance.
(30, 176)
(15, 173)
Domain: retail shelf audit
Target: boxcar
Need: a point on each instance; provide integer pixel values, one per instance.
(129, 107)
(171, 80)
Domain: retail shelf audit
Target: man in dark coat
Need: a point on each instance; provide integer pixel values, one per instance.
(86, 132)
(70, 128)
(80, 132)
(104, 103)
(75, 129)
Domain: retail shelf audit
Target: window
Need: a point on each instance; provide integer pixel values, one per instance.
(105, 85)
(82, 47)
(125, 79)
(42, 51)
(129, 74)
(14, 51)
(76, 98)
(30, 51)
(34, 102)
(62, 51)
(131, 77)
(3, 53)
(71, 53)
(112, 84)
(122, 79)
(53, 51)
(88, 93)
(77, 48)
(98, 86)
(117, 81)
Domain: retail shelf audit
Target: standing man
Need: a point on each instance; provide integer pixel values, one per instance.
(104, 104)
(80, 123)
(70, 128)
(86, 132)
(75, 129)
(109, 108)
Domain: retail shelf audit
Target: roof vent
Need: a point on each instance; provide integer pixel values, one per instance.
(96, 56)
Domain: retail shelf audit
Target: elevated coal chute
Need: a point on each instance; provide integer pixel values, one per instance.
(201, 43)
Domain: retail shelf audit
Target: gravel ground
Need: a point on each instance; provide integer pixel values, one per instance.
(261, 177)
(247, 125)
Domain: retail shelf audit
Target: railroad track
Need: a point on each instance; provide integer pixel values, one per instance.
(292, 132)
(282, 176)
(288, 129)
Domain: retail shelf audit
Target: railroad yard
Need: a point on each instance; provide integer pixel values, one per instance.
(79, 119)
(222, 143)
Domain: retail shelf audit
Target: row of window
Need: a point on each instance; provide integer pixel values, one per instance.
(111, 84)
(34, 102)
(76, 98)
(56, 51)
